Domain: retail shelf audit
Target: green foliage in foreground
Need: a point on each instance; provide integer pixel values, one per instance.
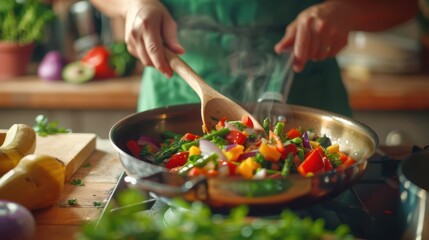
(199, 223)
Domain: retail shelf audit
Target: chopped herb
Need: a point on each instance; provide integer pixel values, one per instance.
(334, 158)
(77, 182)
(239, 125)
(44, 128)
(87, 165)
(72, 202)
(219, 141)
(97, 204)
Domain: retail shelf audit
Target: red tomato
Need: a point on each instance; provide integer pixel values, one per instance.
(247, 121)
(235, 136)
(98, 57)
(178, 159)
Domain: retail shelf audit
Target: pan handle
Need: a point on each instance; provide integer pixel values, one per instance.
(170, 185)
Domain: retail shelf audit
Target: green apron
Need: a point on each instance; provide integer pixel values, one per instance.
(230, 44)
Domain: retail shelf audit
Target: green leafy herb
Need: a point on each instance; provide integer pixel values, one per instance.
(87, 165)
(44, 128)
(23, 21)
(72, 202)
(334, 158)
(77, 182)
(196, 221)
(97, 204)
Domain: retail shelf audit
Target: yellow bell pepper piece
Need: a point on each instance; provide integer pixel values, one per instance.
(247, 167)
(314, 144)
(333, 148)
(269, 152)
(194, 150)
(233, 153)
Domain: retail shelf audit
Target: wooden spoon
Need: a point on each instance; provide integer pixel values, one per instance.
(214, 105)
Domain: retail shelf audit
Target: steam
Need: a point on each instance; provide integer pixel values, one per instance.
(257, 72)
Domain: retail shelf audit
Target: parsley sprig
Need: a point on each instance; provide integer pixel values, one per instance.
(44, 128)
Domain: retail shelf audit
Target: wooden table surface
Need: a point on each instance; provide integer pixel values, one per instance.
(100, 174)
(64, 222)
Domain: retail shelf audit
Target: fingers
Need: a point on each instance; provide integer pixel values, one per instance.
(302, 45)
(169, 31)
(148, 31)
(288, 39)
(154, 47)
(319, 32)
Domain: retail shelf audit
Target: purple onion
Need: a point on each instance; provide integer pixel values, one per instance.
(16, 221)
(306, 141)
(145, 140)
(230, 146)
(207, 148)
(51, 66)
(246, 155)
(231, 126)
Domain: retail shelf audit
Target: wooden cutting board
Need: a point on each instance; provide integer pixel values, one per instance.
(71, 148)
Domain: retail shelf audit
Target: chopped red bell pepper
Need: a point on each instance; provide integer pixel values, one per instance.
(195, 171)
(277, 142)
(247, 121)
(290, 148)
(134, 147)
(178, 159)
(316, 161)
(189, 137)
(232, 168)
(293, 133)
(346, 160)
(220, 124)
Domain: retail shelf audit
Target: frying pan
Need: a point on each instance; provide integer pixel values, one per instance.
(354, 138)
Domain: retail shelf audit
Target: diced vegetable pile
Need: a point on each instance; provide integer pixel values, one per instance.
(235, 148)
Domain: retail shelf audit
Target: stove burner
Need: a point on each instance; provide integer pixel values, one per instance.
(371, 207)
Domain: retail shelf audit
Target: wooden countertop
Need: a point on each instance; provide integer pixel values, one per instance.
(367, 92)
(30, 92)
(100, 174)
(64, 222)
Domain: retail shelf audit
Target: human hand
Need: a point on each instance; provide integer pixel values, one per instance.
(318, 32)
(149, 28)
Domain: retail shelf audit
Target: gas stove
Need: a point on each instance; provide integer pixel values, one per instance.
(371, 207)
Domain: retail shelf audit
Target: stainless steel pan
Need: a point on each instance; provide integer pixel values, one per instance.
(414, 188)
(356, 139)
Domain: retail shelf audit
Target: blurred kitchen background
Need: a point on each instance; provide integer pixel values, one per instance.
(386, 75)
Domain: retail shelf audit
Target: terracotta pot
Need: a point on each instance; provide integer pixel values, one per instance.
(14, 59)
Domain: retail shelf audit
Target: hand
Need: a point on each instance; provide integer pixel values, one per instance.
(149, 28)
(318, 32)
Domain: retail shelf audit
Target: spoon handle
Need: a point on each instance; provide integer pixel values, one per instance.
(190, 76)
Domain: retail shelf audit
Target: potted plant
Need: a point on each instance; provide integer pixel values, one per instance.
(21, 25)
